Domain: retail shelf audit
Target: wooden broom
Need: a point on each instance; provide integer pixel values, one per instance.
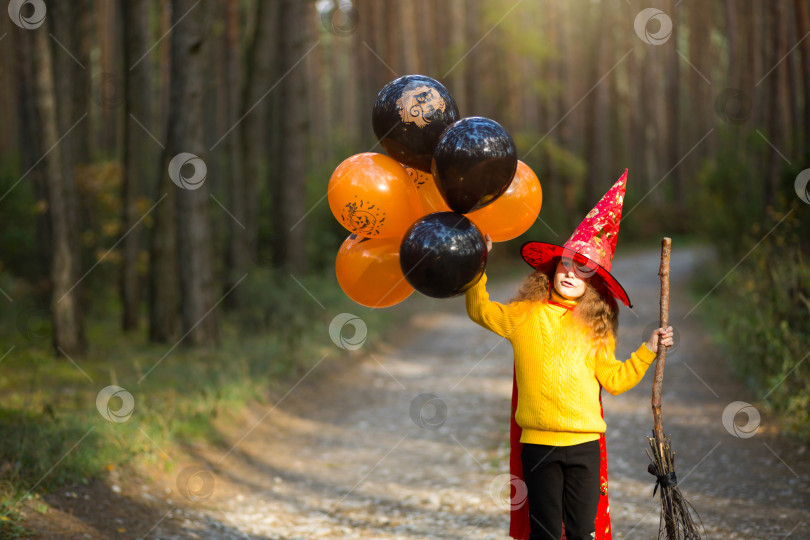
(676, 513)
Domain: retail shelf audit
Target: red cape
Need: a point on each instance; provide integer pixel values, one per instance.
(520, 525)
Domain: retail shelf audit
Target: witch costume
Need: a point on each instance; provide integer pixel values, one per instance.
(559, 374)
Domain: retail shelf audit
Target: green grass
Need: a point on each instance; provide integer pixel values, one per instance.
(760, 315)
(52, 432)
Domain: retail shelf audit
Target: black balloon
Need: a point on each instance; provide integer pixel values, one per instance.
(473, 163)
(443, 254)
(409, 116)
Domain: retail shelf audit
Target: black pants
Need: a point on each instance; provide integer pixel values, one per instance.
(563, 487)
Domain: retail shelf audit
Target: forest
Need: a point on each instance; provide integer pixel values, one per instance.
(164, 167)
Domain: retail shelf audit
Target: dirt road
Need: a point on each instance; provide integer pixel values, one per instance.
(411, 442)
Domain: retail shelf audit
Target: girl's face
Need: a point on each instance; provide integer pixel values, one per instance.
(569, 282)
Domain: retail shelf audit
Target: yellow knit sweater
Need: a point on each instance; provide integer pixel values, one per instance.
(558, 370)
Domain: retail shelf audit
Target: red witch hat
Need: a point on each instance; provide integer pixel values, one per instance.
(592, 245)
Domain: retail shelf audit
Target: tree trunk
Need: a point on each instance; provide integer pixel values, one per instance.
(733, 35)
(138, 149)
(261, 57)
(9, 137)
(66, 75)
(367, 67)
(68, 331)
(753, 69)
(392, 36)
(430, 33)
(701, 57)
(774, 126)
(472, 63)
(563, 134)
(409, 46)
(347, 98)
(673, 111)
(592, 119)
(165, 63)
(83, 33)
(239, 254)
(784, 74)
(186, 115)
(791, 112)
(164, 298)
(31, 151)
(458, 43)
(802, 29)
(106, 82)
(737, 32)
(163, 275)
(296, 42)
(70, 24)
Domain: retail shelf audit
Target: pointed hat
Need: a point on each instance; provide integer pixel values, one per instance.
(592, 245)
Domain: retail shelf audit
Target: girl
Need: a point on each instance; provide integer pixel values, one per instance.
(562, 326)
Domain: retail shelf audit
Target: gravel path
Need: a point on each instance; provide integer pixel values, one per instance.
(409, 439)
(412, 443)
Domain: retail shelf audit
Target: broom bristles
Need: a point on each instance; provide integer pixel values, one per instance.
(677, 521)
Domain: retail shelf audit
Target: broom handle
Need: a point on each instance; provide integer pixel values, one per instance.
(658, 427)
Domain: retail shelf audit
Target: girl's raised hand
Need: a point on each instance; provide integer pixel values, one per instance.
(666, 337)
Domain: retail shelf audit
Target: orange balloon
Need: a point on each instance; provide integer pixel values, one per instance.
(429, 195)
(372, 196)
(368, 271)
(511, 214)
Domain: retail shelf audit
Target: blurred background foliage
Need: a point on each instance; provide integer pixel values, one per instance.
(713, 124)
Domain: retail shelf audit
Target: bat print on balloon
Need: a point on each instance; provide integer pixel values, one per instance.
(419, 178)
(363, 218)
(429, 195)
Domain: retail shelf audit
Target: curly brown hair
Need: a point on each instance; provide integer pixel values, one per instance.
(596, 309)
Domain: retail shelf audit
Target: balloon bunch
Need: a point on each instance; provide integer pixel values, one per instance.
(418, 217)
